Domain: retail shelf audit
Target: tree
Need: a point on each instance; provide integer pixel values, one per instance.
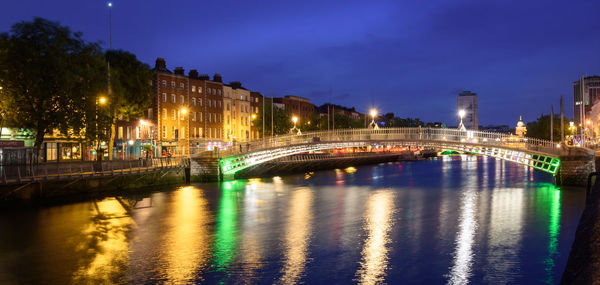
(49, 76)
(282, 120)
(130, 91)
(541, 128)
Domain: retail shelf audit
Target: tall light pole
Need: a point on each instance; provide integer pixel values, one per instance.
(295, 120)
(373, 114)
(461, 114)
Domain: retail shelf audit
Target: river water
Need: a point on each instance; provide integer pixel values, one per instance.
(463, 219)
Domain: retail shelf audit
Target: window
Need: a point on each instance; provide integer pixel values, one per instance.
(174, 132)
(120, 134)
(199, 132)
(164, 83)
(193, 101)
(199, 116)
(173, 115)
(219, 92)
(193, 88)
(164, 132)
(172, 84)
(219, 104)
(181, 117)
(199, 89)
(164, 97)
(220, 119)
(200, 102)
(150, 114)
(193, 116)
(227, 119)
(173, 100)
(181, 86)
(164, 113)
(138, 132)
(182, 134)
(128, 132)
(181, 99)
(227, 106)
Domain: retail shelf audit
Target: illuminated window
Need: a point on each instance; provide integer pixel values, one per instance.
(193, 88)
(173, 115)
(173, 84)
(193, 101)
(164, 113)
(181, 99)
(164, 97)
(173, 98)
(164, 132)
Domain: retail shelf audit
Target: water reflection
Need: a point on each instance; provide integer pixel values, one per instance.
(378, 223)
(549, 196)
(104, 251)
(226, 228)
(297, 235)
(504, 235)
(463, 256)
(187, 236)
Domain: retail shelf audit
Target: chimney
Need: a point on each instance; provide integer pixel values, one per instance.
(217, 78)
(204, 77)
(193, 74)
(235, 84)
(160, 64)
(179, 70)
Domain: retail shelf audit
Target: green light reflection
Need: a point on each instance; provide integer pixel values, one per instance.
(549, 195)
(226, 228)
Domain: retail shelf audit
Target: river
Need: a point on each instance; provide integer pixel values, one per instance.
(450, 220)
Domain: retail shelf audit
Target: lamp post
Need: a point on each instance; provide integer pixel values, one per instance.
(181, 112)
(461, 114)
(100, 101)
(295, 120)
(373, 114)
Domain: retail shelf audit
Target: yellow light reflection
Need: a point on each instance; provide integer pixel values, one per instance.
(188, 241)
(106, 247)
(378, 223)
(297, 235)
(504, 235)
(350, 170)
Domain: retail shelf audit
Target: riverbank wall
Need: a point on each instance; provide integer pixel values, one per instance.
(583, 265)
(89, 187)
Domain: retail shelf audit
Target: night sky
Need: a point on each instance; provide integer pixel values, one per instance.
(407, 57)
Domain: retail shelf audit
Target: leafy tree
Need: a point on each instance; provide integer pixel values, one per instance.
(541, 128)
(282, 120)
(49, 76)
(130, 91)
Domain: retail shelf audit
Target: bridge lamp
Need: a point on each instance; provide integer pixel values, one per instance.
(102, 100)
(253, 116)
(461, 114)
(373, 114)
(183, 111)
(295, 120)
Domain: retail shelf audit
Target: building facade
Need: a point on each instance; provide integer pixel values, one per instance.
(298, 106)
(256, 105)
(467, 101)
(586, 97)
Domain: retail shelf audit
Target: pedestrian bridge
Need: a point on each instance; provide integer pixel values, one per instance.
(539, 154)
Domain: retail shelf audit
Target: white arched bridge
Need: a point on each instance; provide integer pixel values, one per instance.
(539, 154)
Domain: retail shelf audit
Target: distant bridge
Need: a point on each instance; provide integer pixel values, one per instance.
(537, 153)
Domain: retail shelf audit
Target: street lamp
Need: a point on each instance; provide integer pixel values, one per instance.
(373, 113)
(461, 114)
(100, 100)
(295, 120)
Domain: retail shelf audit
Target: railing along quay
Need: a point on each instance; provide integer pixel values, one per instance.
(400, 134)
(16, 174)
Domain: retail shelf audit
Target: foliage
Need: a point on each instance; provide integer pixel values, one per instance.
(130, 89)
(49, 76)
(282, 120)
(541, 128)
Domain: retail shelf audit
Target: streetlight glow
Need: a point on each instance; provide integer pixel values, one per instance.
(253, 116)
(109, 4)
(294, 119)
(461, 113)
(102, 100)
(183, 111)
(373, 113)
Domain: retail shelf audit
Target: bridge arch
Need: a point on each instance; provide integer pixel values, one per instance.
(539, 154)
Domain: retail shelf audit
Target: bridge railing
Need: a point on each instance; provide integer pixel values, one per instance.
(11, 174)
(416, 134)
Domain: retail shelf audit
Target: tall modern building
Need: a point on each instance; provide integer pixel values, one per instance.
(591, 94)
(467, 101)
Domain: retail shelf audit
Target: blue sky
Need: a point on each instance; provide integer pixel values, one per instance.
(407, 57)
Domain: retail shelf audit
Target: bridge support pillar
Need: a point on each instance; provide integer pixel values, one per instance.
(204, 169)
(575, 166)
